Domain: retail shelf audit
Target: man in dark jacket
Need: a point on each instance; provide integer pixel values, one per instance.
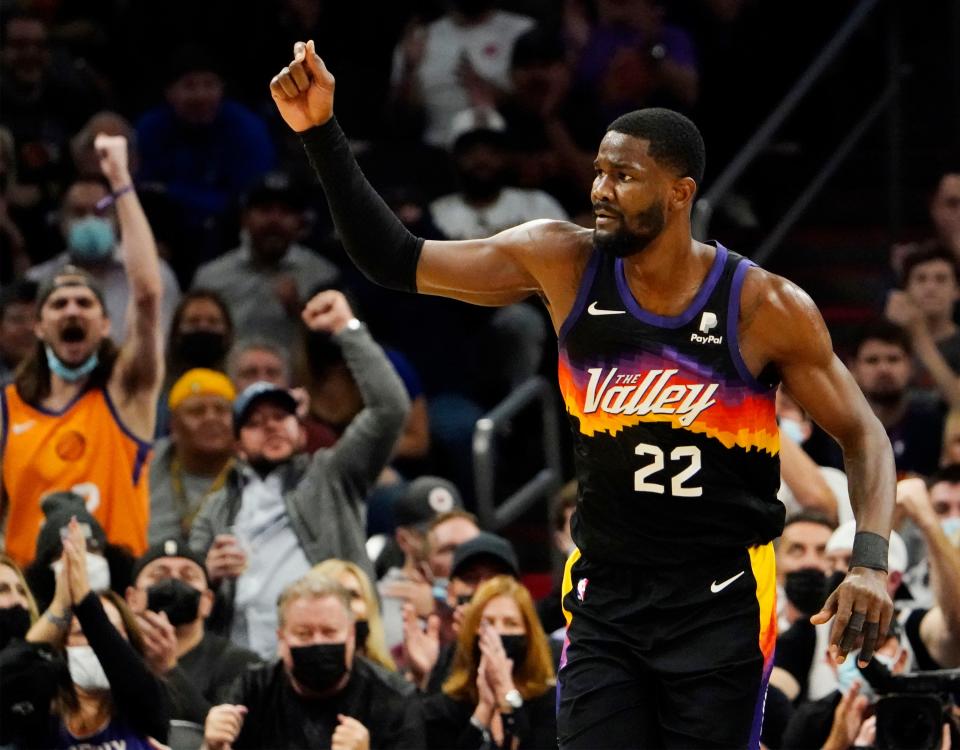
(319, 694)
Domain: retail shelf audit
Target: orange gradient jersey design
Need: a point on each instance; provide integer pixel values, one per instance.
(84, 448)
(676, 443)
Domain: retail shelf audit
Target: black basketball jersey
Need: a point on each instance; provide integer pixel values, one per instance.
(676, 443)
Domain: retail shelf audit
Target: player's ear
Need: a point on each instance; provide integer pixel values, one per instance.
(682, 192)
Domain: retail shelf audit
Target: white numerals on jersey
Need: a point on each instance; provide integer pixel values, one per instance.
(677, 488)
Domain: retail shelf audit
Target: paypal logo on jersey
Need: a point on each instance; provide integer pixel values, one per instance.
(708, 321)
(650, 393)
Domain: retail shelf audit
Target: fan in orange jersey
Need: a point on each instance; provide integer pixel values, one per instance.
(80, 413)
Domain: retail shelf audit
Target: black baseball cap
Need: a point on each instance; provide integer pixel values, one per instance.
(168, 548)
(58, 509)
(69, 275)
(275, 187)
(424, 499)
(255, 393)
(489, 546)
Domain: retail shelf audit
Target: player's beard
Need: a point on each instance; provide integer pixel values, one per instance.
(624, 242)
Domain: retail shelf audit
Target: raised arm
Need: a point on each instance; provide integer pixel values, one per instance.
(496, 271)
(782, 326)
(366, 445)
(138, 373)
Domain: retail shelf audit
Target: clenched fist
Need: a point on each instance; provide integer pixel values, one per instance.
(303, 91)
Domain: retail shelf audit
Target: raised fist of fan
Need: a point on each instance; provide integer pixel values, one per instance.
(303, 90)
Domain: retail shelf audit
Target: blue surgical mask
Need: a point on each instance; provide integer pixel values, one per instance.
(793, 430)
(70, 374)
(849, 672)
(91, 239)
(951, 527)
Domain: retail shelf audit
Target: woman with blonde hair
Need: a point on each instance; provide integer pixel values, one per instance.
(18, 610)
(363, 600)
(501, 691)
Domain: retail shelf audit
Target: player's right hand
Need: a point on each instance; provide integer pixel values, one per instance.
(223, 726)
(303, 91)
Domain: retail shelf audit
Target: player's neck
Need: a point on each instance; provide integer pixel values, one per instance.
(62, 392)
(668, 271)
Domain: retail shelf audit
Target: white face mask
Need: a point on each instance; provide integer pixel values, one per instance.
(98, 571)
(85, 669)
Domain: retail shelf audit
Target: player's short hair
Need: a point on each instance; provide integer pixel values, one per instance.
(928, 252)
(881, 329)
(675, 142)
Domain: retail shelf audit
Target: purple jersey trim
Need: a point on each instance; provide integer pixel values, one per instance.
(672, 321)
(586, 283)
(733, 319)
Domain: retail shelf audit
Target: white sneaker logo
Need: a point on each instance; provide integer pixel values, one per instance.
(21, 427)
(716, 588)
(594, 310)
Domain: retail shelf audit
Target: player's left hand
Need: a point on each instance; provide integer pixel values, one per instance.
(863, 612)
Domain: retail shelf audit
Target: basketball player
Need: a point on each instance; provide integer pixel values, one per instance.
(80, 414)
(670, 351)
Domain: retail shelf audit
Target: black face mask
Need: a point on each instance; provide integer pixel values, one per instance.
(320, 666)
(14, 623)
(806, 589)
(361, 629)
(201, 348)
(179, 600)
(515, 647)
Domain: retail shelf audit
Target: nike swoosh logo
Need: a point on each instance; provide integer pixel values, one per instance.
(594, 310)
(21, 427)
(716, 588)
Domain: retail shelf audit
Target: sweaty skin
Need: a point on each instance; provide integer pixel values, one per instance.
(547, 258)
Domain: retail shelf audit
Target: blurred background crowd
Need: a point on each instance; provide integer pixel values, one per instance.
(405, 617)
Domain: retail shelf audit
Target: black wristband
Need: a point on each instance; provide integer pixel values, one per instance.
(374, 238)
(869, 551)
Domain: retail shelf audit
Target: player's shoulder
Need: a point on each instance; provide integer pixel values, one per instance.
(552, 235)
(771, 295)
(780, 315)
(558, 247)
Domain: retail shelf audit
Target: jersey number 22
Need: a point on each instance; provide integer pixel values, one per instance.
(690, 453)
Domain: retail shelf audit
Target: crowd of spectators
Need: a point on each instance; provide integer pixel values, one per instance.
(237, 484)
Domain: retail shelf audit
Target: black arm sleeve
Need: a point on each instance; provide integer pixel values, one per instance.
(137, 693)
(372, 235)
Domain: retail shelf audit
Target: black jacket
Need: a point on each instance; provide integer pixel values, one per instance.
(277, 717)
